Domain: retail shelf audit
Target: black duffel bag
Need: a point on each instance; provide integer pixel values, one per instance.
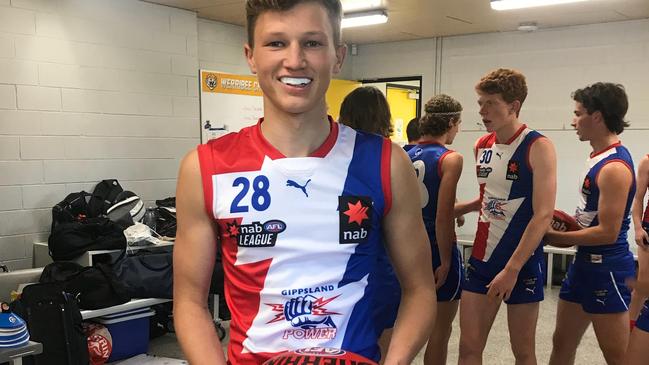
(146, 274)
(94, 287)
(70, 240)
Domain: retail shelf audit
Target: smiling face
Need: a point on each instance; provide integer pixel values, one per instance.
(496, 113)
(294, 57)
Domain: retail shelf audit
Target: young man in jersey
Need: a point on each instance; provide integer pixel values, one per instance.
(641, 225)
(516, 169)
(638, 350)
(412, 131)
(438, 171)
(595, 289)
(301, 206)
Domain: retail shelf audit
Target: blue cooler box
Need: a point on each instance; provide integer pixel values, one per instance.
(130, 332)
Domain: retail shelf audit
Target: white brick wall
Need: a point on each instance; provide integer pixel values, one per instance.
(90, 90)
(220, 47)
(7, 97)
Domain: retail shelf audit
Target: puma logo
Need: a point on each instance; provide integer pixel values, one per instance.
(500, 155)
(531, 290)
(293, 184)
(602, 301)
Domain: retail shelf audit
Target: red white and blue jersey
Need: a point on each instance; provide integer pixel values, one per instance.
(505, 178)
(300, 238)
(586, 213)
(427, 159)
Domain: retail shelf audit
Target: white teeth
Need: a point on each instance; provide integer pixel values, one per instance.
(296, 81)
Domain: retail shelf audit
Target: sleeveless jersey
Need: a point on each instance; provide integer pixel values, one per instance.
(427, 159)
(505, 180)
(586, 213)
(300, 237)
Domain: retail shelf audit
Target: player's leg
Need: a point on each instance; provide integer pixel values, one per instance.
(477, 314)
(638, 299)
(571, 324)
(437, 347)
(523, 311)
(521, 320)
(638, 350)
(612, 331)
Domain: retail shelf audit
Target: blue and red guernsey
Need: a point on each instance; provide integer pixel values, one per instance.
(505, 179)
(427, 159)
(300, 238)
(586, 213)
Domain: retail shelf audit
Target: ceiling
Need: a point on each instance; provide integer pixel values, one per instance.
(415, 19)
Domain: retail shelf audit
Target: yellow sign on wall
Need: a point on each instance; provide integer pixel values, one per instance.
(216, 82)
(403, 109)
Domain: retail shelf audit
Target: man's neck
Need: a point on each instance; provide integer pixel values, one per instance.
(504, 134)
(295, 135)
(599, 144)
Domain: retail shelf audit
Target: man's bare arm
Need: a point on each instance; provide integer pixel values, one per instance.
(194, 257)
(614, 182)
(641, 189)
(409, 249)
(444, 222)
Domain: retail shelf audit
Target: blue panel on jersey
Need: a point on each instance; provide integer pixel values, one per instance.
(364, 179)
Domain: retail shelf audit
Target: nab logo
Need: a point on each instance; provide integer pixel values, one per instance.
(256, 234)
(513, 169)
(355, 218)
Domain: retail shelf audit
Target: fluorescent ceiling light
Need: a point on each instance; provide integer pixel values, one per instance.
(354, 5)
(519, 4)
(363, 18)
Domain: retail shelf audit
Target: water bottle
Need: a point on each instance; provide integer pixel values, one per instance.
(150, 218)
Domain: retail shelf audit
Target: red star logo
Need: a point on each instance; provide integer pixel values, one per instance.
(587, 183)
(233, 229)
(356, 212)
(513, 167)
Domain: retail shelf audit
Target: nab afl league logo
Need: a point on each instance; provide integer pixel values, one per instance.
(210, 81)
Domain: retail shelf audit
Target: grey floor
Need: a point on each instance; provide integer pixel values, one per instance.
(497, 351)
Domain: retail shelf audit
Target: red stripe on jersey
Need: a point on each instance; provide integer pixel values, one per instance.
(616, 144)
(386, 182)
(329, 143)
(441, 159)
(483, 142)
(249, 276)
(614, 160)
(645, 218)
(480, 242)
(527, 153)
(518, 133)
(206, 164)
(269, 150)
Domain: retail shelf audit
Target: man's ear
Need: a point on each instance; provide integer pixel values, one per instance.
(516, 107)
(247, 50)
(341, 53)
(598, 116)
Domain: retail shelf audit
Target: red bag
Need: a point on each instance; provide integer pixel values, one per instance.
(100, 343)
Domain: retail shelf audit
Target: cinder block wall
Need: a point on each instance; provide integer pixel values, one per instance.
(95, 89)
